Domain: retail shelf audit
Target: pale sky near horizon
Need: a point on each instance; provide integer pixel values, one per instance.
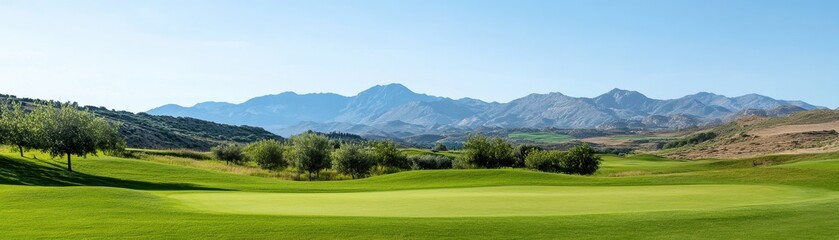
(137, 55)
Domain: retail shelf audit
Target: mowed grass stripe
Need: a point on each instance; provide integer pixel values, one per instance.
(500, 201)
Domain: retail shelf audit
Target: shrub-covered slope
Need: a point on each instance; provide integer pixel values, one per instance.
(804, 132)
(164, 132)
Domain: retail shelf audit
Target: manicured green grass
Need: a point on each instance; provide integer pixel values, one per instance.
(774, 197)
(540, 137)
(831, 164)
(500, 201)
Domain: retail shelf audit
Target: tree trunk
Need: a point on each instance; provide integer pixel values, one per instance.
(19, 147)
(69, 164)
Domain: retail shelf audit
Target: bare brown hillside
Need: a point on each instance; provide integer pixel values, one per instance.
(805, 132)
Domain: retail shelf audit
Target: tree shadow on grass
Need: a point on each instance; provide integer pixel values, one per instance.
(21, 172)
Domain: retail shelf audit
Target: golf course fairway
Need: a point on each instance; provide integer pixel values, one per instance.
(634, 197)
(499, 201)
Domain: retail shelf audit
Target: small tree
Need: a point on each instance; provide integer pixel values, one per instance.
(353, 160)
(267, 154)
(546, 161)
(69, 131)
(581, 159)
(484, 152)
(430, 161)
(311, 153)
(229, 153)
(439, 147)
(19, 127)
(522, 151)
(388, 155)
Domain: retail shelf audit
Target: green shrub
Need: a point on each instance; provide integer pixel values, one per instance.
(353, 160)
(580, 159)
(230, 153)
(484, 152)
(268, 154)
(522, 151)
(430, 161)
(311, 153)
(546, 161)
(388, 156)
(695, 139)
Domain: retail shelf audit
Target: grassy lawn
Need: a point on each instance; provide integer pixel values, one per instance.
(643, 196)
(540, 137)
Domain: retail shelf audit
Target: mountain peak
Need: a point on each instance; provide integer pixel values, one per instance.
(619, 98)
(705, 94)
(395, 88)
(622, 93)
(618, 90)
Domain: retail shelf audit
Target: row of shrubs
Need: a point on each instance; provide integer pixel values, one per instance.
(484, 152)
(695, 139)
(578, 160)
(312, 153)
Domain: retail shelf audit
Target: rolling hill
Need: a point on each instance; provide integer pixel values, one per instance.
(143, 130)
(803, 132)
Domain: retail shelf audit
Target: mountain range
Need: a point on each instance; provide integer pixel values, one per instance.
(395, 110)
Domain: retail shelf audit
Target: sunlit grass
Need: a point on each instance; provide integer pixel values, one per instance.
(633, 197)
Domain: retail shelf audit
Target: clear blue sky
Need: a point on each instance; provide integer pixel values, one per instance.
(136, 55)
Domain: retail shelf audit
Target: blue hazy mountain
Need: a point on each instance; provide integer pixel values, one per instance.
(395, 109)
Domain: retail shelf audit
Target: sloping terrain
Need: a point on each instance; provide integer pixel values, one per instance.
(165, 132)
(804, 132)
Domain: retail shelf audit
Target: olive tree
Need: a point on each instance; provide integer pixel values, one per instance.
(229, 153)
(353, 160)
(522, 151)
(546, 161)
(581, 159)
(267, 154)
(67, 131)
(18, 127)
(388, 155)
(311, 153)
(484, 152)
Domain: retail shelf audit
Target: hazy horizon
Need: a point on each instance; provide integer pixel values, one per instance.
(139, 55)
(379, 85)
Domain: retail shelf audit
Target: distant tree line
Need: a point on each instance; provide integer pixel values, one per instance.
(694, 139)
(311, 153)
(60, 129)
(484, 152)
